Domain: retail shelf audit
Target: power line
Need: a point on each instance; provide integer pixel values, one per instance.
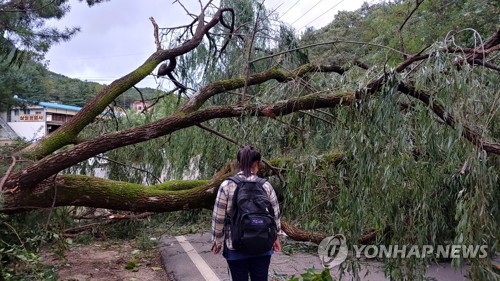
(102, 57)
(277, 7)
(307, 12)
(289, 9)
(99, 77)
(338, 3)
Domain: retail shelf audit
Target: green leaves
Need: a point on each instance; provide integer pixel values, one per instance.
(132, 265)
(312, 275)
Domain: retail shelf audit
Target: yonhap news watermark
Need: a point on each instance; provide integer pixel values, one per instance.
(421, 251)
(333, 251)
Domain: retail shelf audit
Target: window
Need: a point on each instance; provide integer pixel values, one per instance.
(16, 112)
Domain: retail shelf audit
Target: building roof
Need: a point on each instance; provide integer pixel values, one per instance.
(50, 104)
(59, 106)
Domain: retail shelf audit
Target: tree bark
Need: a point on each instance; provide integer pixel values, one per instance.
(77, 190)
(298, 234)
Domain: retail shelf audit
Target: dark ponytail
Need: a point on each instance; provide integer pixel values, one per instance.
(246, 157)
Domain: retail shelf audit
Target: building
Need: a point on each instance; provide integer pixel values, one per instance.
(139, 106)
(33, 120)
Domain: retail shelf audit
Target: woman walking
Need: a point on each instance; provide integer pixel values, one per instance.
(242, 259)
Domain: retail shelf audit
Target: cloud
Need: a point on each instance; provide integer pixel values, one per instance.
(117, 36)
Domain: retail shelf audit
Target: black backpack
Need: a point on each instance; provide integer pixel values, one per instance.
(252, 224)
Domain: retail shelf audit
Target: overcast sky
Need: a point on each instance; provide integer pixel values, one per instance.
(117, 36)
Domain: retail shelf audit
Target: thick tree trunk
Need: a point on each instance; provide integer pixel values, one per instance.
(298, 234)
(173, 195)
(76, 190)
(51, 165)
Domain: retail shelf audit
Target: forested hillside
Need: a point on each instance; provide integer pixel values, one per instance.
(406, 26)
(34, 82)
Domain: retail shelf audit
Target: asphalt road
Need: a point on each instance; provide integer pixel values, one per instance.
(188, 258)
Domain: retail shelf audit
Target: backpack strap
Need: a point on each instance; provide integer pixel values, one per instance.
(261, 181)
(235, 179)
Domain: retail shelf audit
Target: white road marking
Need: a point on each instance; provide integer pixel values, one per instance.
(198, 261)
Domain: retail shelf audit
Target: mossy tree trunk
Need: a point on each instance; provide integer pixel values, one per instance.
(76, 190)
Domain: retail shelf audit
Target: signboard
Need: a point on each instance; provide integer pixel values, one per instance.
(31, 117)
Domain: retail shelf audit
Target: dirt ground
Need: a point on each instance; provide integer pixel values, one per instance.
(107, 261)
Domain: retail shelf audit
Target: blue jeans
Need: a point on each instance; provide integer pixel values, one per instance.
(257, 267)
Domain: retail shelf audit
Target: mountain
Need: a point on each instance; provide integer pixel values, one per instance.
(34, 82)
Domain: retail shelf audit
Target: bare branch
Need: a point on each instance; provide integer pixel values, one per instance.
(184, 7)
(326, 113)
(145, 109)
(111, 219)
(480, 53)
(400, 31)
(53, 203)
(157, 99)
(297, 128)
(129, 166)
(465, 168)
(157, 40)
(249, 53)
(187, 26)
(217, 133)
(317, 117)
(361, 64)
(485, 64)
(327, 43)
(112, 110)
(231, 31)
